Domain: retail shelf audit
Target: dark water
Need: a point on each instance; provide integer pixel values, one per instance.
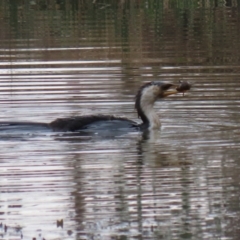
(66, 58)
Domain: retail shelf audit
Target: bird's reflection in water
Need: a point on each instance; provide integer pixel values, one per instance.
(160, 153)
(131, 186)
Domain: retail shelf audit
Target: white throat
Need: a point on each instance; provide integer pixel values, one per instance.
(149, 96)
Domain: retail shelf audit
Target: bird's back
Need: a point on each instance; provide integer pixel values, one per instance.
(92, 122)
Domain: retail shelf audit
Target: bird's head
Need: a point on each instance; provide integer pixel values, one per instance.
(151, 92)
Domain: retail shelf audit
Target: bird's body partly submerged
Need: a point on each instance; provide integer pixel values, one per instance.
(147, 95)
(91, 122)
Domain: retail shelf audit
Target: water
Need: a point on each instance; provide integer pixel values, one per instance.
(62, 59)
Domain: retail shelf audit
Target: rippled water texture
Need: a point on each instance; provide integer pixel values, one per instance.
(67, 58)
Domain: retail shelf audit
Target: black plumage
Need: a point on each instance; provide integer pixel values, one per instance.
(85, 122)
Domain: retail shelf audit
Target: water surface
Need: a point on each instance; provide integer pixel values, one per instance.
(62, 59)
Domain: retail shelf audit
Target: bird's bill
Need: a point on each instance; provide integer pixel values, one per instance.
(170, 92)
(173, 89)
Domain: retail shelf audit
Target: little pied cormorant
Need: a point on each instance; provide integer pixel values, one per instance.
(146, 96)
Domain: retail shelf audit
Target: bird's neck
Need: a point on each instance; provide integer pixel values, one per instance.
(145, 100)
(150, 118)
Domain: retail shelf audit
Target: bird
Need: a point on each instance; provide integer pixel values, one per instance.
(145, 98)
